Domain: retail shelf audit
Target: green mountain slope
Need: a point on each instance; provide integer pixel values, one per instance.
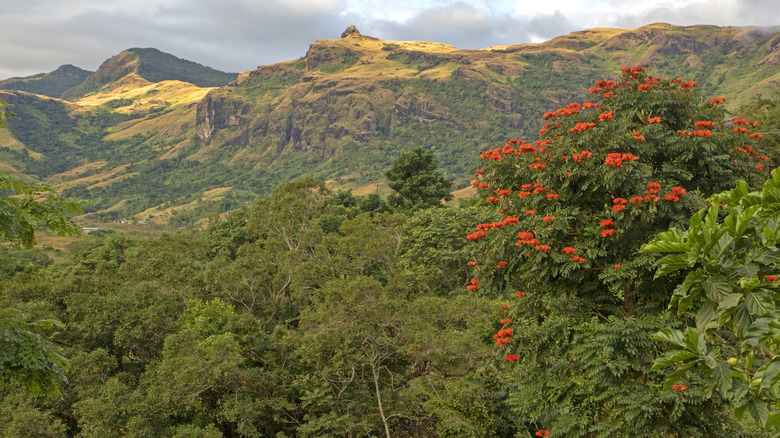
(51, 84)
(151, 65)
(137, 139)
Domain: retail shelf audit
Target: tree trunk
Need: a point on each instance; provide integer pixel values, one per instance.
(375, 372)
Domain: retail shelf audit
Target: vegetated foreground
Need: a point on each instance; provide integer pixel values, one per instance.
(311, 313)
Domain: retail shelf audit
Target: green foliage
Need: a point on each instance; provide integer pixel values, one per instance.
(729, 298)
(29, 359)
(766, 111)
(417, 181)
(31, 205)
(604, 178)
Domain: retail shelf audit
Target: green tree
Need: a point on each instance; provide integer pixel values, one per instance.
(728, 299)
(27, 357)
(417, 181)
(605, 176)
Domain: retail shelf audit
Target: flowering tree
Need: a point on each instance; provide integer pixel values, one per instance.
(571, 211)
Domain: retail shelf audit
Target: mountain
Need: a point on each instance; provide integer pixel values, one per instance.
(151, 65)
(174, 146)
(52, 84)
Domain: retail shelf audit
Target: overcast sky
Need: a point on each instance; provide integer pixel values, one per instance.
(237, 35)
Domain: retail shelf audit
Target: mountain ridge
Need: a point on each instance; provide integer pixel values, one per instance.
(343, 111)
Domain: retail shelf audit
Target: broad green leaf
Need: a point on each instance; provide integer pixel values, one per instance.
(705, 315)
(742, 319)
(758, 303)
(670, 335)
(695, 342)
(717, 288)
(758, 328)
(753, 407)
(729, 301)
(671, 357)
(724, 242)
(671, 263)
(673, 240)
(770, 376)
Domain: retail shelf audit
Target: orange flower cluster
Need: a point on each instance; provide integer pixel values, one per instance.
(756, 135)
(542, 432)
(543, 248)
(632, 71)
(675, 195)
(616, 159)
(502, 263)
(717, 100)
(492, 199)
(578, 259)
(509, 220)
(638, 136)
(698, 132)
(581, 156)
(480, 185)
(519, 294)
(652, 120)
(474, 284)
(569, 250)
(553, 195)
(685, 86)
(502, 193)
(548, 218)
(653, 188)
(529, 212)
(526, 238)
(607, 223)
(512, 357)
(679, 388)
(704, 124)
(503, 336)
(620, 203)
(476, 235)
(582, 127)
(745, 122)
(748, 150)
(606, 116)
(771, 278)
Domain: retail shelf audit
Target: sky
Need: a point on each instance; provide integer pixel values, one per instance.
(37, 36)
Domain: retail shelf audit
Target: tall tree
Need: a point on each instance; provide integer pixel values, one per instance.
(605, 176)
(417, 181)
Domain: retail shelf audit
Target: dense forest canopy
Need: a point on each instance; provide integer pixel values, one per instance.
(526, 310)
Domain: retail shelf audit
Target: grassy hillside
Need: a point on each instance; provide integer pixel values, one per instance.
(342, 113)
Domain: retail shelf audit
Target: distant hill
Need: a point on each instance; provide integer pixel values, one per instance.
(52, 84)
(147, 135)
(151, 65)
